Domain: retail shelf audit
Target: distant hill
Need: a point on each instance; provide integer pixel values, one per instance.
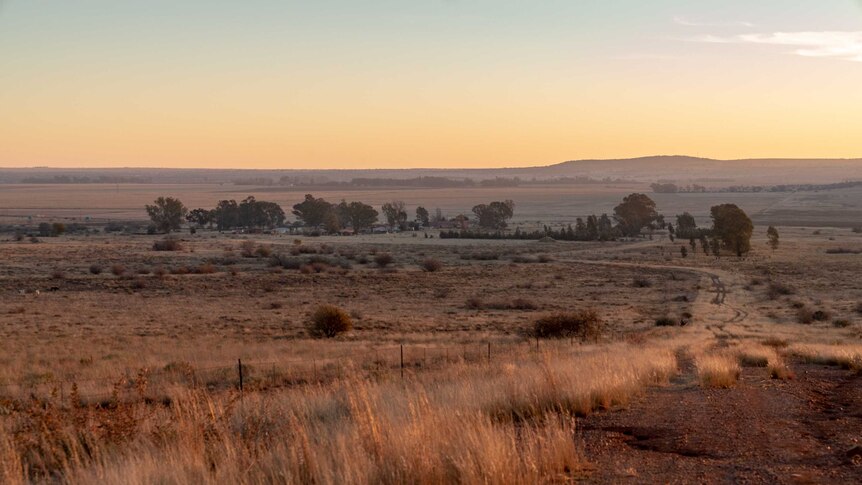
(681, 169)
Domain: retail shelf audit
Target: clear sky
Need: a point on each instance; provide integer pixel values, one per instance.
(431, 83)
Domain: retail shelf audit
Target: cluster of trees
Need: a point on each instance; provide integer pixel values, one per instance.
(731, 229)
(249, 213)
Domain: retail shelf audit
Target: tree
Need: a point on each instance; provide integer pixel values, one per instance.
(396, 214)
(357, 215)
(167, 213)
(685, 225)
(683, 251)
(312, 212)
(422, 216)
(772, 234)
(634, 213)
(226, 215)
(495, 214)
(200, 217)
(732, 226)
(255, 213)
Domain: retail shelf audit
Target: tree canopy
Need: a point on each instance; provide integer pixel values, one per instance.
(495, 214)
(313, 212)
(167, 213)
(634, 213)
(732, 226)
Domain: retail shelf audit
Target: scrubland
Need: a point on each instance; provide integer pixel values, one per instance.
(129, 374)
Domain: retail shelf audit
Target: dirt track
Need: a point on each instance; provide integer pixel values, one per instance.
(805, 430)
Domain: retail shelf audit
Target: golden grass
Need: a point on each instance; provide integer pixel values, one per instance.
(844, 356)
(718, 369)
(506, 423)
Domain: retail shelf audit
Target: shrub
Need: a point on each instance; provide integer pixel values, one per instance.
(247, 249)
(58, 274)
(804, 315)
(205, 268)
(639, 282)
(665, 321)
(821, 315)
(160, 271)
(383, 259)
(118, 269)
(777, 289)
(843, 251)
(139, 284)
(859, 308)
(168, 244)
(857, 230)
(95, 269)
(474, 303)
(842, 323)
(583, 324)
(263, 251)
(431, 265)
(329, 321)
(544, 258)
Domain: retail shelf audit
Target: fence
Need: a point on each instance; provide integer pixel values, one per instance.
(397, 361)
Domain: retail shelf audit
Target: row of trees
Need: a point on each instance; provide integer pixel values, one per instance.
(731, 226)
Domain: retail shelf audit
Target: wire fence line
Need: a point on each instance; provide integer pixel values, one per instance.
(243, 375)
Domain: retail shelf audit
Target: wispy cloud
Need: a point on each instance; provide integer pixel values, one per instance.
(834, 44)
(688, 22)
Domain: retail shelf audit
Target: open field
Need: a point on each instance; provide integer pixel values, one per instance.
(131, 375)
(552, 204)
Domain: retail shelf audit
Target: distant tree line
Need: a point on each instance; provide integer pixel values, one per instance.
(671, 188)
(102, 179)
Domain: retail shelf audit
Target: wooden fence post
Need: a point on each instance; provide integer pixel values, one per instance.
(239, 366)
(402, 362)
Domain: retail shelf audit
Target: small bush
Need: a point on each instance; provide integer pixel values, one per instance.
(160, 272)
(821, 315)
(58, 274)
(544, 258)
(777, 289)
(168, 244)
(842, 323)
(431, 265)
(139, 284)
(329, 321)
(383, 259)
(263, 251)
(583, 324)
(843, 251)
(641, 283)
(118, 269)
(804, 315)
(205, 268)
(95, 269)
(246, 249)
(475, 303)
(665, 321)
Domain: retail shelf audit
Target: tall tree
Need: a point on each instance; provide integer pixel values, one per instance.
(226, 215)
(733, 227)
(495, 214)
(200, 217)
(396, 214)
(422, 216)
(772, 234)
(312, 212)
(685, 225)
(634, 213)
(167, 213)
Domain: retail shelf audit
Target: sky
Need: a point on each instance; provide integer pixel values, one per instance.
(431, 83)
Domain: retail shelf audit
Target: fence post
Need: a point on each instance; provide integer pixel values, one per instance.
(239, 366)
(402, 362)
(537, 344)
(489, 352)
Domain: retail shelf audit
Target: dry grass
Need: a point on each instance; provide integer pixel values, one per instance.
(718, 369)
(844, 356)
(509, 423)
